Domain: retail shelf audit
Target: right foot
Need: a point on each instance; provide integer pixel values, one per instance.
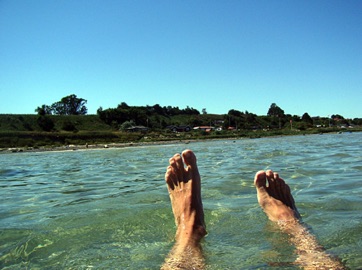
(274, 197)
(277, 202)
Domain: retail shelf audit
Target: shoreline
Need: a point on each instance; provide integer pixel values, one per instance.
(75, 147)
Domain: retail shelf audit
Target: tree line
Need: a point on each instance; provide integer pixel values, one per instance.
(157, 116)
(141, 115)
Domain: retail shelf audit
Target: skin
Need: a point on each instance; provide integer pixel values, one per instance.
(277, 202)
(274, 196)
(184, 186)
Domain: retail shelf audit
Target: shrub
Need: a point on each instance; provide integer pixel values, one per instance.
(69, 126)
(45, 123)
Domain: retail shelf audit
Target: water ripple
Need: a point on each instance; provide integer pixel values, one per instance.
(110, 208)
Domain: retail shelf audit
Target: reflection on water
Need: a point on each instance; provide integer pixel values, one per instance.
(109, 208)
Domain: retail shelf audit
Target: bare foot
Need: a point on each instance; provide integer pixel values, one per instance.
(276, 200)
(184, 187)
(274, 197)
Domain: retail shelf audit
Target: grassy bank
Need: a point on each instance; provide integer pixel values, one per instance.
(26, 131)
(31, 122)
(36, 139)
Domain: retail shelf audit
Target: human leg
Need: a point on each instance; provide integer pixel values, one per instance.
(184, 187)
(276, 200)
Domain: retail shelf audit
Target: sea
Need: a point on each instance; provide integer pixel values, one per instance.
(110, 209)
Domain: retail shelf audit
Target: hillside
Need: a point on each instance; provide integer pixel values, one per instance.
(35, 131)
(28, 130)
(30, 122)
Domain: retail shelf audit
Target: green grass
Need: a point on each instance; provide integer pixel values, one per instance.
(38, 139)
(25, 131)
(29, 122)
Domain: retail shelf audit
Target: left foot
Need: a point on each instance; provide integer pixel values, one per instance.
(274, 197)
(184, 187)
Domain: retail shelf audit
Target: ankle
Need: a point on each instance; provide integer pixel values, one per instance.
(190, 235)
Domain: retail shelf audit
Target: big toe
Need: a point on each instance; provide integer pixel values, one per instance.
(260, 180)
(189, 157)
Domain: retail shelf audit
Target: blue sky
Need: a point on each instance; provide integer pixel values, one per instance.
(305, 56)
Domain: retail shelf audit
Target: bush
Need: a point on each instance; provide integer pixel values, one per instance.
(45, 123)
(69, 126)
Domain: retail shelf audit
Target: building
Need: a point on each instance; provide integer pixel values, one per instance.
(179, 128)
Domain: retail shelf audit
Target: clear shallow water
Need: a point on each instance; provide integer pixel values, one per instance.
(109, 208)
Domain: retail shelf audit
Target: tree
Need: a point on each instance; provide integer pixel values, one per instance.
(158, 109)
(274, 110)
(307, 119)
(337, 117)
(123, 105)
(100, 110)
(204, 111)
(235, 113)
(44, 110)
(70, 105)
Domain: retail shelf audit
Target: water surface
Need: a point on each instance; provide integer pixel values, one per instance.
(109, 208)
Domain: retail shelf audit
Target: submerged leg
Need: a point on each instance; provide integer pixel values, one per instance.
(276, 200)
(184, 187)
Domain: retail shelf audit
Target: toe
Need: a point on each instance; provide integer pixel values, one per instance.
(260, 179)
(178, 167)
(189, 157)
(280, 189)
(271, 183)
(169, 178)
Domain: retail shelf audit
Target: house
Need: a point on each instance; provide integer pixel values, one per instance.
(205, 128)
(179, 128)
